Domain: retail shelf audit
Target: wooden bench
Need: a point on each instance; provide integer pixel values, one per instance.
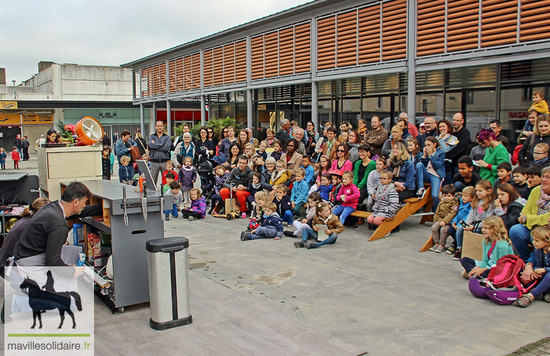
(412, 205)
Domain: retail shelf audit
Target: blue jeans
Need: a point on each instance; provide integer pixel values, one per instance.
(287, 217)
(422, 176)
(459, 186)
(267, 232)
(469, 264)
(521, 238)
(214, 199)
(174, 211)
(343, 212)
(543, 286)
(309, 232)
(297, 208)
(460, 234)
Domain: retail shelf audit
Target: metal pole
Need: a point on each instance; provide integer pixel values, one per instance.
(411, 58)
(203, 111)
(142, 119)
(314, 84)
(315, 106)
(249, 109)
(168, 118)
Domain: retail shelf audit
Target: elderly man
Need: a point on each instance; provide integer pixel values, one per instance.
(283, 135)
(496, 126)
(159, 150)
(299, 136)
(463, 136)
(431, 130)
(411, 128)
(377, 136)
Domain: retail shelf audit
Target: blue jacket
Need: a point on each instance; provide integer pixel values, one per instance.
(282, 205)
(121, 149)
(3, 157)
(310, 173)
(537, 259)
(324, 191)
(126, 173)
(463, 212)
(438, 162)
(406, 175)
(274, 220)
(159, 148)
(299, 192)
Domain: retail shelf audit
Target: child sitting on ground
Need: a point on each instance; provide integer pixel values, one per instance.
(170, 177)
(386, 200)
(216, 199)
(271, 227)
(533, 179)
(261, 151)
(336, 177)
(256, 217)
(325, 228)
(495, 245)
(169, 168)
(258, 164)
(15, 157)
(279, 176)
(482, 207)
(468, 194)
(466, 177)
(310, 171)
(187, 178)
(299, 192)
(537, 267)
(283, 204)
(197, 210)
(373, 181)
(519, 174)
(312, 200)
(348, 195)
(504, 172)
(175, 193)
(255, 186)
(325, 188)
(126, 171)
(446, 211)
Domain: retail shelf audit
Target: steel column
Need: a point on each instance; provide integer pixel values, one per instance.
(142, 119)
(314, 84)
(249, 109)
(168, 118)
(411, 58)
(203, 111)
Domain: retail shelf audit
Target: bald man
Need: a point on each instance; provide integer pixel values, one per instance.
(431, 130)
(461, 149)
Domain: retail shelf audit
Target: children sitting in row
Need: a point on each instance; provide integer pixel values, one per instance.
(283, 204)
(325, 188)
(464, 208)
(504, 173)
(299, 192)
(444, 214)
(271, 227)
(466, 177)
(348, 196)
(519, 174)
(386, 200)
(312, 201)
(325, 228)
(374, 181)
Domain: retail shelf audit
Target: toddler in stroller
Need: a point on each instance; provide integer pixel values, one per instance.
(206, 173)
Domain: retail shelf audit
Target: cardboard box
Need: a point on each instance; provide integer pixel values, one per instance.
(472, 245)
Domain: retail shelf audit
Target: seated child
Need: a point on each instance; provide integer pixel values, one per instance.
(177, 199)
(216, 202)
(348, 196)
(446, 211)
(170, 177)
(197, 210)
(277, 151)
(519, 175)
(540, 155)
(126, 171)
(537, 267)
(323, 219)
(336, 177)
(279, 176)
(504, 172)
(466, 177)
(468, 194)
(539, 104)
(310, 171)
(169, 168)
(495, 245)
(373, 181)
(325, 188)
(283, 204)
(258, 164)
(255, 186)
(256, 217)
(261, 151)
(299, 192)
(534, 174)
(386, 200)
(271, 227)
(312, 200)
(482, 207)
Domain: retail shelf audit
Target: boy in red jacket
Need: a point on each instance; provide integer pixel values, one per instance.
(15, 157)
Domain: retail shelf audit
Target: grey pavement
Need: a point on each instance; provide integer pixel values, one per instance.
(382, 296)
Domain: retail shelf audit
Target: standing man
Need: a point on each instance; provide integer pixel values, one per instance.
(17, 143)
(159, 150)
(106, 141)
(463, 136)
(116, 137)
(283, 135)
(431, 130)
(410, 127)
(25, 148)
(377, 136)
(496, 126)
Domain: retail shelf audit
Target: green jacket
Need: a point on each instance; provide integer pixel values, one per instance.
(361, 182)
(502, 248)
(493, 156)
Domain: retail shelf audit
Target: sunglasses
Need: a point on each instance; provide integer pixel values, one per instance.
(340, 151)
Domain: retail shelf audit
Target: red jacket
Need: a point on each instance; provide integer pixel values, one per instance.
(15, 155)
(164, 176)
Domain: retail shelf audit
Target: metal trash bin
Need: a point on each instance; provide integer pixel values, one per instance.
(168, 282)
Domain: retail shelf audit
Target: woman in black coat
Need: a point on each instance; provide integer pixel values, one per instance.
(507, 205)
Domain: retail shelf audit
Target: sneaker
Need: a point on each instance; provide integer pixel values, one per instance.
(167, 217)
(191, 218)
(457, 255)
(451, 250)
(439, 249)
(420, 192)
(547, 297)
(465, 275)
(433, 248)
(312, 245)
(243, 235)
(300, 244)
(289, 233)
(388, 234)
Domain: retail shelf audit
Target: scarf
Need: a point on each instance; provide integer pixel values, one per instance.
(256, 185)
(382, 191)
(276, 174)
(396, 163)
(544, 202)
(541, 161)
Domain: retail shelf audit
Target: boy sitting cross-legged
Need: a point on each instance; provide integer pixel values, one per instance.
(271, 227)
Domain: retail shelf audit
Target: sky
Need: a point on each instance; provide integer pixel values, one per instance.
(99, 32)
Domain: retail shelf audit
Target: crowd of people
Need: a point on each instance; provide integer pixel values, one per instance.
(313, 180)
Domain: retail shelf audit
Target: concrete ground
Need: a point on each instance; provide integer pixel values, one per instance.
(382, 296)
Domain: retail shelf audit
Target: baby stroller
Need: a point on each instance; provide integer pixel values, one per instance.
(206, 173)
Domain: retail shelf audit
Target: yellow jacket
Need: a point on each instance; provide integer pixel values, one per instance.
(282, 178)
(530, 210)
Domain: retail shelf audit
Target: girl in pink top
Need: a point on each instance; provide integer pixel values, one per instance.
(348, 195)
(342, 163)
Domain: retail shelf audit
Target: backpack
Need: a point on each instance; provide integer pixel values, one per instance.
(506, 272)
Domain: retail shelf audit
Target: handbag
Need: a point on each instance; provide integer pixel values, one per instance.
(134, 154)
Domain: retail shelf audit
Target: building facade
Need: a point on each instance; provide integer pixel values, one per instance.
(345, 60)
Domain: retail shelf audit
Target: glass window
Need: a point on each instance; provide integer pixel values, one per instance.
(351, 110)
(481, 110)
(429, 104)
(472, 76)
(453, 104)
